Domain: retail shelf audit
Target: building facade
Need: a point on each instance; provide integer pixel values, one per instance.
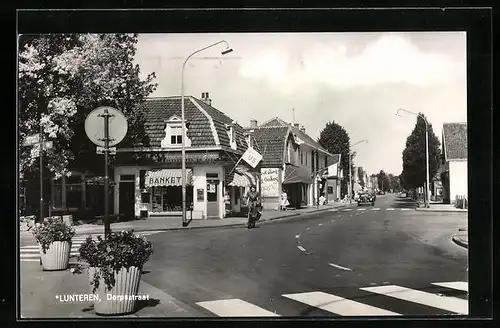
(293, 163)
(148, 179)
(454, 177)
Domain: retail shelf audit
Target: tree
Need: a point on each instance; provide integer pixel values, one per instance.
(394, 182)
(361, 176)
(335, 139)
(383, 181)
(64, 77)
(414, 158)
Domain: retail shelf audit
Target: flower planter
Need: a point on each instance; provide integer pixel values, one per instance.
(56, 257)
(126, 284)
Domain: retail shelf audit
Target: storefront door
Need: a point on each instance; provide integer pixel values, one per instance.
(213, 198)
(127, 201)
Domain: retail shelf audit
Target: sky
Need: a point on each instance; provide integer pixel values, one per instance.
(358, 80)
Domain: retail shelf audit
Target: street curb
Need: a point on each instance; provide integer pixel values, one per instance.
(460, 242)
(441, 211)
(232, 225)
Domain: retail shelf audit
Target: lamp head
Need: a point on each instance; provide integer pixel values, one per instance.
(228, 50)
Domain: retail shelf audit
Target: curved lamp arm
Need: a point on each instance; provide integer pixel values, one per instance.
(210, 46)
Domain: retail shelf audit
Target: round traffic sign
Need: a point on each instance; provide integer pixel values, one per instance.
(94, 126)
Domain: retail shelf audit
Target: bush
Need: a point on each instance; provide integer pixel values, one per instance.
(52, 230)
(121, 250)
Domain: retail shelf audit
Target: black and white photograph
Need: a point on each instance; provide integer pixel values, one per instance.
(234, 175)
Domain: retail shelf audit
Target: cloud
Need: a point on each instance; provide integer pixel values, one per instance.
(391, 58)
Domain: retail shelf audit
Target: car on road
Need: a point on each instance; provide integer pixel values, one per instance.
(366, 198)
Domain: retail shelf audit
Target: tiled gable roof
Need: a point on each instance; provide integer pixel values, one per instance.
(220, 120)
(271, 142)
(455, 141)
(277, 122)
(157, 110)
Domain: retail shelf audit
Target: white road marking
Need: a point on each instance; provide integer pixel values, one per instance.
(390, 209)
(333, 210)
(452, 304)
(301, 248)
(375, 209)
(235, 308)
(361, 209)
(320, 224)
(406, 209)
(458, 285)
(339, 267)
(308, 228)
(338, 305)
(297, 236)
(346, 210)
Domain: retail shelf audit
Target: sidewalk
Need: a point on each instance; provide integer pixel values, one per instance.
(174, 222)
(41, 291)
(461, 238)
(440, 207)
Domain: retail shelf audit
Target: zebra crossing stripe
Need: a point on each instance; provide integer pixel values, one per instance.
(338, 305)
(346, 210)
(361, 209)
(235, 308)
(405, 209)
(375, 209)
(458, 285)
(390, 209)
(452, 304)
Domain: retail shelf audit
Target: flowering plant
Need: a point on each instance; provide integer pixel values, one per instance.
(120, 250)
(52, 230)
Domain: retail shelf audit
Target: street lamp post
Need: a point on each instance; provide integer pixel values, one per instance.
(350, 169)
(427, 193)
(183, 156)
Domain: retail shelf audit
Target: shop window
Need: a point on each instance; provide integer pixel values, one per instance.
(212, 175)
(57, 195)
(169, 199)
(301, 157)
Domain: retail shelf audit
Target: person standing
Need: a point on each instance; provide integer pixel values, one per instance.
(253, 203)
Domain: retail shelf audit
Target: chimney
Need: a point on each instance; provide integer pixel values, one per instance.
(303, 129)
(296, 125)
(253, 123)
(205, 98)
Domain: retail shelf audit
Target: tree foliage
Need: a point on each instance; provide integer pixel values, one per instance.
(383, 181)
(62, 78)
(335, 139)
(414, 157)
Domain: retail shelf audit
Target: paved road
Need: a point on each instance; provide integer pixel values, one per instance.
(382, 260)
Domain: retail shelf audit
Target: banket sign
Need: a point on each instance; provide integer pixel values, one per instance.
(167, 177)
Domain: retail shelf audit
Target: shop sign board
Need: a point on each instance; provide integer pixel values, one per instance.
(270, 185)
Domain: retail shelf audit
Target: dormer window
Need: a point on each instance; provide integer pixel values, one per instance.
(173, 133)
(231, 133)
(176, 135)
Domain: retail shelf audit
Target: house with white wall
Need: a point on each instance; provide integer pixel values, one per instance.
(454, 177)
(292, 162)
(148, 179)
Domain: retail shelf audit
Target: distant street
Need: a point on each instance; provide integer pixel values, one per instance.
(404, 258)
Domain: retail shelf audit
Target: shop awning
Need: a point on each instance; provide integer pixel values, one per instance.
(167, 177)
(296, 174)
(240, 179)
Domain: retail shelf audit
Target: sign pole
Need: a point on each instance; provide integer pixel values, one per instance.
(41, 172)
(107, 228)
